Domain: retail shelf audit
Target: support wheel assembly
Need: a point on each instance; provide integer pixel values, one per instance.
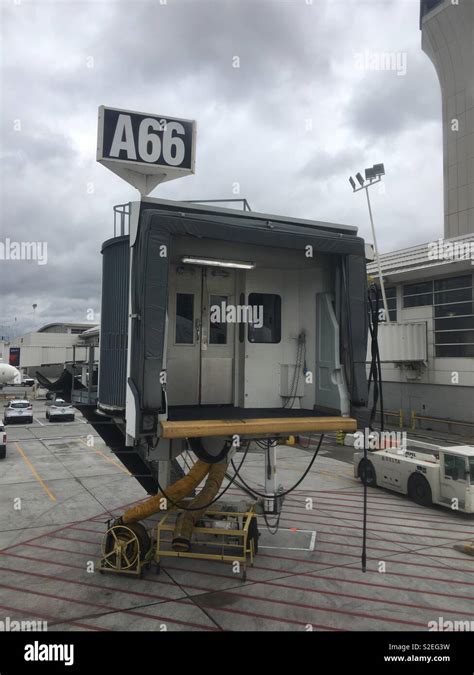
(124, 547)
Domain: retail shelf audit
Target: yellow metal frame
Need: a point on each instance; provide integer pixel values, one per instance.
(439, 420)
(398, 414)
(246, 547)
(264, 425)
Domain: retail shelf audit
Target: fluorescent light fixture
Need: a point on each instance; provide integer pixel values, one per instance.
(213, 262)
(352, 182)
(369, 174)
(379, 169)
(360, 179)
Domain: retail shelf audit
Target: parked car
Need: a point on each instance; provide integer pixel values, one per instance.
(3, 441)
(18, 410)
(61, 410)
(28, 381)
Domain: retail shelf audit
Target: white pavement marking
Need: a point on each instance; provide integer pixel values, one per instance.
(37, 420)
(295, 548)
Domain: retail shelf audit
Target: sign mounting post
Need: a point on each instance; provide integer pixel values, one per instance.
(145, 149)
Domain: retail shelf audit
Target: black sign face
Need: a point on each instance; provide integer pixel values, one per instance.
(14, 359)
(143, 139)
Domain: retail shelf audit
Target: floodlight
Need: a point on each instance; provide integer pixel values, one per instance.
(379, 169)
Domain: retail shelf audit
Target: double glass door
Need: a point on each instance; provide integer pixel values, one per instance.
(200, 359)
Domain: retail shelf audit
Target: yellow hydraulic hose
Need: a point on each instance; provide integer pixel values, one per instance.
(187, 520)
(183, 487)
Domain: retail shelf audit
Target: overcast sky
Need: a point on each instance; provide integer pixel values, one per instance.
(300, 114)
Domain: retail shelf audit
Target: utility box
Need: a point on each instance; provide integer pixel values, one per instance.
(402, 342)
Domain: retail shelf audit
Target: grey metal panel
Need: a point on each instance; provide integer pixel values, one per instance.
(400, 342)
(327, 353)
(114, 318)
(216, 380)
(189, 207)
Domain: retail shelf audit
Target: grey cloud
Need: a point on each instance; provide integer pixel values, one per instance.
(325, 165)
(296, 62)
(386, 103)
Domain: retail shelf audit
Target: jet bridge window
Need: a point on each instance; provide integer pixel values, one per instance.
(265, 318)
(217, 320)
(184, 319)
(455, 467)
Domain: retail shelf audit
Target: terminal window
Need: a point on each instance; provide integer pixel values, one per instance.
(454, 316)
(418, 295)
(452, 299)
(391, 295)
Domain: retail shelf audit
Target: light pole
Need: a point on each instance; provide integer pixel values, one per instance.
(372, 177)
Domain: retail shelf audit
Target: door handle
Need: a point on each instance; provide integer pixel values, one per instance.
(198, 330)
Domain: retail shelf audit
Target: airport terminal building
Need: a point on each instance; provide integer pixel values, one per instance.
(427, 348)
(48, 349)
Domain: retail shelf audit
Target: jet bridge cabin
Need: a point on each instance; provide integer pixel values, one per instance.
(217, 322)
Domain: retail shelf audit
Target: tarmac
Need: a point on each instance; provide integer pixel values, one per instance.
(60, 484)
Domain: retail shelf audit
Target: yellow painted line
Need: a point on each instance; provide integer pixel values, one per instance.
(35, 473)
(109, 459)
(112, 461)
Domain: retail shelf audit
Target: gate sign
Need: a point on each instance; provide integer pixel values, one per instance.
(145, 149)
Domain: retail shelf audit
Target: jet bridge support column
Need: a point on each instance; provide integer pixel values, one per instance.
(272, 502)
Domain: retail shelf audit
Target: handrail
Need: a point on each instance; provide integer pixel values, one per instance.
(398, 413)
(121, 219)
(244, 202)
(439, 420)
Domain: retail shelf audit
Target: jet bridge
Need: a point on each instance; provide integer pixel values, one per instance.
(218, 323)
